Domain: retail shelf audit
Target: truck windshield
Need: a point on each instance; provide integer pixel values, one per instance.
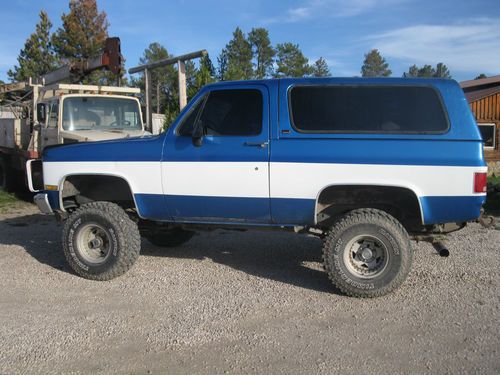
(99, 113)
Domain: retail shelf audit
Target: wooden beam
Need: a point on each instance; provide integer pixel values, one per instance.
(147, 86)
(181, 69)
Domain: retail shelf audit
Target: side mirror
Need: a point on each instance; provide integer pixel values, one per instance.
(198, 133)
(41, 112)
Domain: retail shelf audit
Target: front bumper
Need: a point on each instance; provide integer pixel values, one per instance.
(42, 201)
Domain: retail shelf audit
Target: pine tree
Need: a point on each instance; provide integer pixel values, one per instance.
(263, 52)
(82, 34)
(290, 61)
(204, 75)
(164, 82)
(412, 72)
(239, 57)
(442, 71)
(375, 65)
(428, 71)
(37, 57)
(320, 68)
(481, 76)
(222, 65)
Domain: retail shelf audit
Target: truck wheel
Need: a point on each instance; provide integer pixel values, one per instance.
(170, 237)
(100, 241)
(367, 253)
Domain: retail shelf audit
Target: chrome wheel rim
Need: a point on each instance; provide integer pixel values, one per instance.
(93, 243)
(366, 256)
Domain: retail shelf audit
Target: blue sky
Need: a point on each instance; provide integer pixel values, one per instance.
(465, 35)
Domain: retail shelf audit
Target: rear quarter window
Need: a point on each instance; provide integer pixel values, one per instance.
(367, 109)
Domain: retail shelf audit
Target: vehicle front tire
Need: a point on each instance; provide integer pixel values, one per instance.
(367, 253)
(100, 241)
(169, 237)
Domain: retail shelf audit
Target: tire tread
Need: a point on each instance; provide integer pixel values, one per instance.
(130, 235)
(373, 216)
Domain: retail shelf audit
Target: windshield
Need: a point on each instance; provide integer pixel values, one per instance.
(99, 113)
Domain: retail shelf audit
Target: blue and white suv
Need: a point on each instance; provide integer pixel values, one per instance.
(367, 164)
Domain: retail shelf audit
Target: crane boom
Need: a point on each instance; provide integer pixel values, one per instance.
(110, 59)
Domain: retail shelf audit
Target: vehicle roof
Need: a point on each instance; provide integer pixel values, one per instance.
(346, 80)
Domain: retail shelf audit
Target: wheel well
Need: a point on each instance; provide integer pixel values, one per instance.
(80, 189)
(399, 202)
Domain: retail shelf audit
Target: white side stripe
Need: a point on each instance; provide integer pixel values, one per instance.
(217, 179)
(251, 179)
(306, 180)
(143, 177)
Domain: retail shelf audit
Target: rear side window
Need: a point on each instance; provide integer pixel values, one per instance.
(367, 109)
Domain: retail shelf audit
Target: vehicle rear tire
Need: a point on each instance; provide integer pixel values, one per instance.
(100, 241)
(367, 253)
(170, 237)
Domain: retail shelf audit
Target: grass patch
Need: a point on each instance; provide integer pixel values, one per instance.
(7, 200)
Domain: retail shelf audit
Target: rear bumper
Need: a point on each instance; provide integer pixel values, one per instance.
(42, 201)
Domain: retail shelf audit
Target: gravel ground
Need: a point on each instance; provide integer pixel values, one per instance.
(242, 302)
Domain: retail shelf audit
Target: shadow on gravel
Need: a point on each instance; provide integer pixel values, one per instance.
(39, 235)
(282, 257)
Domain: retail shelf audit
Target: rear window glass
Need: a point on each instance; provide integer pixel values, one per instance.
(367, 109)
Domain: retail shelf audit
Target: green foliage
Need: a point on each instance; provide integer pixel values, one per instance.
(81, 36)
(375, 65)
(164, 82)
(428, 71)
(83, 32)
(442, 71)
(239, 58)
(291, 62)
(263, 52)
(37, 56)
(7, 200)
(320, 68)
(222, 65)
(481, 76)
(204, 75)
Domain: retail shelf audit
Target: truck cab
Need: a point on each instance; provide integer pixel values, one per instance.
(77, 113)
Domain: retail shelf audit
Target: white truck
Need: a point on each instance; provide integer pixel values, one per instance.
(43, 112)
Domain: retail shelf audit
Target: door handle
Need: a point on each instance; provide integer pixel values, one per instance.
(257, 144)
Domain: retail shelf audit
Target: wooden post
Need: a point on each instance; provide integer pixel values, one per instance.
(181, 69)
(147, 87)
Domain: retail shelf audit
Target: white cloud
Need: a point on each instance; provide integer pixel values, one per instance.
(471, 46)
(330, 8)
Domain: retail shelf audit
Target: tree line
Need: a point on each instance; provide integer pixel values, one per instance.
(84, 29)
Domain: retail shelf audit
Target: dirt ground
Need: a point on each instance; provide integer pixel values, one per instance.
(242, 302)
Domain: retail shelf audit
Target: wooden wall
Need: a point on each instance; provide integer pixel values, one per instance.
(487, 110)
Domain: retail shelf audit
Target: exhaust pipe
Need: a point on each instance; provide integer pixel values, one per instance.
(441, 248)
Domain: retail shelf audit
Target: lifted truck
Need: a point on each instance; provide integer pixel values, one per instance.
(366, 164)
(42, 112)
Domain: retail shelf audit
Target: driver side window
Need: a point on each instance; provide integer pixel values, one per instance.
(226, 113)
